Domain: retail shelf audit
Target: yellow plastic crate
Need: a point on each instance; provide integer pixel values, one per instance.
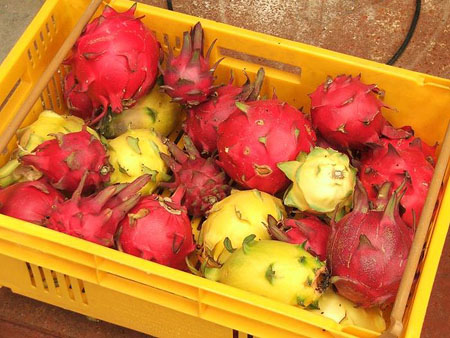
(109, 285)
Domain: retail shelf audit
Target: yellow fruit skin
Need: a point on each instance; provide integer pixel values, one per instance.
(28, 138)
(322, 181)
(48, 123)
(153, 111)
(343, 311)
(135, 153)
(278, 270)
(237, 216)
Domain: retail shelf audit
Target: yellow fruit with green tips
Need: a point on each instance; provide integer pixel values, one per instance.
(323, 180)
(278, 270)
(154, 111)
(135, 153)
(237, 216)
(43, 129)
(343, 311)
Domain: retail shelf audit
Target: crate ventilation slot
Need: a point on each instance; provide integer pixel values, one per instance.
(237, 334)
(57, 284)
(11, 93)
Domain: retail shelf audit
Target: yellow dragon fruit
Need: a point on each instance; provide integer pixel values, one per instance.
(322, 181)
(43, 129)
(237, 216)
(282, 271)
(343, 311)
(153, 111)
(135, 153)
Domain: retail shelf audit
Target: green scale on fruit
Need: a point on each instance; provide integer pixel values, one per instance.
(277, 270)
(237, 216)
(135, 153)
(323, 180)
(154, 111)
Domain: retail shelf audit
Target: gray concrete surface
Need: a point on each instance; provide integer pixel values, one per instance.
(15, 16)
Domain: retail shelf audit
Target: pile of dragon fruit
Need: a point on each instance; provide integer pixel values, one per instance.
(313, 209)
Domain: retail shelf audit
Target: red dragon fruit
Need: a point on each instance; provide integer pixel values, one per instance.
(204, 182)
(95, 218)
(188, 78)
(395, 161)
(403, 138)
(29, 201)
(310, 231)
(368, 248)
(78, 102)
(347, 112)
(65, 159)
(203, 120)
(115, 61)
(258, 136)
(415, 143)
(158, 229)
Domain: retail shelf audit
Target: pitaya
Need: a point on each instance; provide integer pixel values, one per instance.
(202, 179)
(281, 271)
(237, 216)
(158, 229)
(346, 313)
(397, 161)
(78, 102)
(29, 201)
(414, 143)
(188, 78)
(310, 231)
(95, 218)
(29, 137)
(258, 136)
(323, 181)
(203, 120)
(115, 61)
(403, 138)
(368, 248)
(137, 152)
(65, 159)
(347, 112)
(153, 111)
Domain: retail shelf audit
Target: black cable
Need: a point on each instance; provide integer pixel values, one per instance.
(409, 35)
(403, 46)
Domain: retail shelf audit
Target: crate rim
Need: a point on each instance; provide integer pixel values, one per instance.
(418, 77)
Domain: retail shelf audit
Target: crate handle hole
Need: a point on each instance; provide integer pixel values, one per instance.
(260, 61)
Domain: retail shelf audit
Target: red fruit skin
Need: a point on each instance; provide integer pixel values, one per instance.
(414, 143)
(78, 102)
(394, 161)
(187, 77)
(96, 218)
(29, 201)
(65, 159)
(202, 181)
(115, 60)
(160, 231)
(251, 144)
(311, 231)
(347, 112)
(203, 120)
(367, 252)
